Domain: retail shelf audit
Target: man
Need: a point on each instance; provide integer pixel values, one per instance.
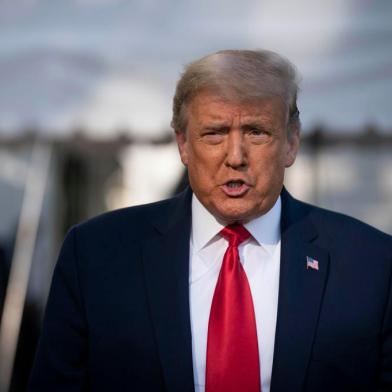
(232, 285)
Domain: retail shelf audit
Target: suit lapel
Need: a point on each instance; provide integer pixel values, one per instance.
(166, 266)
(301, 291)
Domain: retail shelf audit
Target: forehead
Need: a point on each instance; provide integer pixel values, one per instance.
(214, 107)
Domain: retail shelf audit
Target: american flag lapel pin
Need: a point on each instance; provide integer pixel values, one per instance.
(312, 263)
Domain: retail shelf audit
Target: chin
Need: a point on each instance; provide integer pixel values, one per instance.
(234, 214)
(240, 211)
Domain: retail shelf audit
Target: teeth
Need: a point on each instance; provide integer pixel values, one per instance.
(234, 184)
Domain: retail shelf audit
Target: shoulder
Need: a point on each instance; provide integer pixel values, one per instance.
(343, 230)
(130, 223)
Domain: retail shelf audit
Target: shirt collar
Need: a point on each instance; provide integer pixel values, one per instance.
(265, 229)
(204, 225)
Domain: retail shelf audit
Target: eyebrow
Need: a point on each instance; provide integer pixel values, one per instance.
(253, 123)
(216, 125)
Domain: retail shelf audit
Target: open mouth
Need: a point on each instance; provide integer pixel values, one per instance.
(235, 188)
(235, 183)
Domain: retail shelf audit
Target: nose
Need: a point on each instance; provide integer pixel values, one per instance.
(236, 155)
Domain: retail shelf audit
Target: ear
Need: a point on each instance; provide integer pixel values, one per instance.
(182, 147)
(292, 145)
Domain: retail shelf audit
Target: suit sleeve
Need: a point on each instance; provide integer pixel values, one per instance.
(60, 363)
(385, 377)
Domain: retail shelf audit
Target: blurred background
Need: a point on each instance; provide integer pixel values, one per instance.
(85, 108)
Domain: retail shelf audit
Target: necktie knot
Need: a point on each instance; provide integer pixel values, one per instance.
(235, 234)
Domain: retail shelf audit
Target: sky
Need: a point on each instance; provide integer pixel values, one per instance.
(111, 65)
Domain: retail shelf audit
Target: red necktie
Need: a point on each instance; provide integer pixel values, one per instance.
(232, 349)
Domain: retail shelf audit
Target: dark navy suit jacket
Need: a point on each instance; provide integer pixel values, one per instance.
(117, 317)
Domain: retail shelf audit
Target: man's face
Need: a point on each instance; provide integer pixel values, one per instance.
(236, 154)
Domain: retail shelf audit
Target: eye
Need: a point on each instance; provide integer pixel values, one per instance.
(213, 136)
(258, 135)
(256, 132)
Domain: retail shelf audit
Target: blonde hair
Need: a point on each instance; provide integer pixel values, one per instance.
(237, 75)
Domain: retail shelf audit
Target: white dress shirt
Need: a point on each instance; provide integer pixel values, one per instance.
(260, 257)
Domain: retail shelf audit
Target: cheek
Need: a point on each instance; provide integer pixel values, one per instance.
(204, 157)
(203, 169)
(269, 165)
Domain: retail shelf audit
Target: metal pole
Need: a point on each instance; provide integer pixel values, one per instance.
(21, 261)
